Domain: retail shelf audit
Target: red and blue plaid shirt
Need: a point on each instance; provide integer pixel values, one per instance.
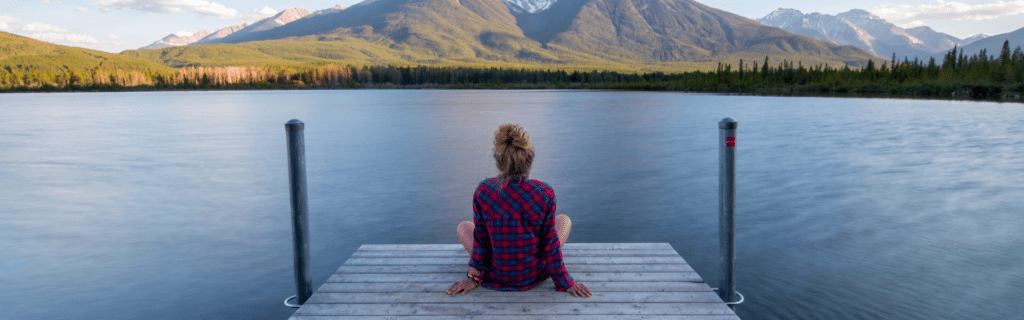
(514, 242)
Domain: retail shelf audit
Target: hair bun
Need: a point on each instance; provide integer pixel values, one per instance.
(513, 152)
(512, 135)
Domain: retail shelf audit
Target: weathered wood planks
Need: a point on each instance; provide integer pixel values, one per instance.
(408, 281)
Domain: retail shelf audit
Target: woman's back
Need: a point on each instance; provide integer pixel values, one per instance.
(515, 239)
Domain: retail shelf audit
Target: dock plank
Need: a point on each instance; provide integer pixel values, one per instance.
(629, 281)
(461, 253)
(453, 277)
(507, 317)
(513, 308)
(566, 259)
(545, 286)
(587, 246)
(461, 268)
(489, 296)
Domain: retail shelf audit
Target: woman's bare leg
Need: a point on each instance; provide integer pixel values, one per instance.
(562, 226)
(465, 233)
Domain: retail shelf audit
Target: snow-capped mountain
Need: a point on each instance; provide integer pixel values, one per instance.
(224, 32)
(976, 37)
(864, 30)
(937, 40)
(531, 6)
(174, 40)
(281, 18)
(335, 8)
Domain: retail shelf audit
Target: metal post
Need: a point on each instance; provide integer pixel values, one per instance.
(727, 209)
(300, 223)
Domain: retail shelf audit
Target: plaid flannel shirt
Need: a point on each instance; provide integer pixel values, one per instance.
(514, 240)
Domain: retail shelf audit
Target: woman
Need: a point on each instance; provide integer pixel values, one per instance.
(515, 238)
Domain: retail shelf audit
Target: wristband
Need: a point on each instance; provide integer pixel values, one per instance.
(475, 279)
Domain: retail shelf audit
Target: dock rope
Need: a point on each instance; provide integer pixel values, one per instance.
(733, 303)
(297, 306)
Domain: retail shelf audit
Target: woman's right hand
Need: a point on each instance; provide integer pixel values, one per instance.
(579, 290)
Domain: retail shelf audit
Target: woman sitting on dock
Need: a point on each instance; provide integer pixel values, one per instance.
(515, 239)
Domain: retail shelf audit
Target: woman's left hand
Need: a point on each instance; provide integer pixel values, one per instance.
(462, 286)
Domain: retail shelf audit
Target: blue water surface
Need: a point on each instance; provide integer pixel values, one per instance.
(174, 205)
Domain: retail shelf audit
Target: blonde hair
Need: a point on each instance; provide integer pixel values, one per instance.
(513, 152)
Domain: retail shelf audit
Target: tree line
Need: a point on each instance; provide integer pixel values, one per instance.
(979, 75)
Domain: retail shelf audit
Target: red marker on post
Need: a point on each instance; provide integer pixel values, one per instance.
(730, 141)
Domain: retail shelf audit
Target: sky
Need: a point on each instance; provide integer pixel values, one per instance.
(117, 25)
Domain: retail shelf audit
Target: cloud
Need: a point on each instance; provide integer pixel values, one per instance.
(81, 38)
(942, 10)
(80, 9)
(183, 33)
(45, 32)
(40, 27)
(112, 36)
(200, 8)
(57, 37)
(45, 1)
(266, 11)
(6, 21)
(258, 14)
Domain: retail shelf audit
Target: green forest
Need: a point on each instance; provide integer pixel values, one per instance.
(980, 75)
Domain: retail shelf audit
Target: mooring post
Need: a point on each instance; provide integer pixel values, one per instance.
(300, 223)
(727, 209)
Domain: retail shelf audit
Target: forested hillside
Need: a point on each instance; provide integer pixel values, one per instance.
(980, 76)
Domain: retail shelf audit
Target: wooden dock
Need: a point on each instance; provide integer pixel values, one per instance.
(408, 281)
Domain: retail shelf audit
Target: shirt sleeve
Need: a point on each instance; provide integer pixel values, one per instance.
(481, 256)
(551, 251)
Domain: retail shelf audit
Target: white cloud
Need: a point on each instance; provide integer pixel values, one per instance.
(183, 33)
(916, 15)
(48, 37)
(46, 32)
(6, 21)
(257, 14)
(80, 38)
(201, 8)
(57, 37)
(45, 1)
(42, 28)
(80, 9)
(265, 11)
(112, 36)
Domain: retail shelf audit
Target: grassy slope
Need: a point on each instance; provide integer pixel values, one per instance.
(17, 52)
(619, 35)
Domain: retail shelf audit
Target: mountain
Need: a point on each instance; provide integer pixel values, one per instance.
(19, 53)
(277, 20)
(864, 30)
(937, 40)
(974, 38)
(333, 9)
(638, 33)
(281, 18)
(175, 40)
(992, 44)
(531, 6)
(224, 32)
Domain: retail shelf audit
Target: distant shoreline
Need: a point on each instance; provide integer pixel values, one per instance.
(965, 94)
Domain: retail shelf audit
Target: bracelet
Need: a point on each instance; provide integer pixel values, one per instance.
(475, 279)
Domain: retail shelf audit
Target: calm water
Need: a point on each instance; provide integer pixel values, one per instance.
(175, 205)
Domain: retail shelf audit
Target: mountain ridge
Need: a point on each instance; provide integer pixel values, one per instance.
(620, 31)
(864, 30)
(281, 18)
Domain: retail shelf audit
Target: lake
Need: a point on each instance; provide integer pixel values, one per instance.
(174, 205)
